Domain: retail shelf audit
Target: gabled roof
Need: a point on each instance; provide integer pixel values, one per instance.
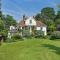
(22, 23)
(38, 23)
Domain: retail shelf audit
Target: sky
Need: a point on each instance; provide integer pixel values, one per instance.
(17, 8)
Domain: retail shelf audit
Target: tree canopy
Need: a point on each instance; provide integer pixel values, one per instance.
(8, 21)
(47, 16)
(48, 13)
(1, 25)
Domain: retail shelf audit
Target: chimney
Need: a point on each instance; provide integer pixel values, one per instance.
(33, 16)
(23, 17)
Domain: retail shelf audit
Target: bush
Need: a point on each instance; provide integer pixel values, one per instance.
(16, 37)
(55, 35)
(4, 34)
(39, 33)
(49, 33)
(26, 33)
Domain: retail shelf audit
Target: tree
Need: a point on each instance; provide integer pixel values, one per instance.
(48, 16)
(57, 21)
(50, 25)
(10, 21)
(48, 13)
(1, 25)
(0, 14)
(38, 16)
(58, 15)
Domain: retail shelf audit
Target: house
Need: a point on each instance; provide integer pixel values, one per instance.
(31, 24)
(12, 31)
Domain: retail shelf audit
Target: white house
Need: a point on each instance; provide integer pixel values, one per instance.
(32, 24)
(12, 31)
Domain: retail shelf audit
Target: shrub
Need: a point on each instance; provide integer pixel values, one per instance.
(26, 33)
(16, 37)
(55, 35)
(49, 33)
(39, 33)
(1, 25)
(4, 34)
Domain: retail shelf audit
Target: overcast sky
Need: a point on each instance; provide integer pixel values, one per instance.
(17, 8)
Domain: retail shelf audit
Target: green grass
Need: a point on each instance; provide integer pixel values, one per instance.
(31, 49)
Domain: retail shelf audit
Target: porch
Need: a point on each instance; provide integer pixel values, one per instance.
(31, 29)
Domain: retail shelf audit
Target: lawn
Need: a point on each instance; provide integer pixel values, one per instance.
(31, 49)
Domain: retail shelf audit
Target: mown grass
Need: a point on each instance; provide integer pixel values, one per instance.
(31, 49)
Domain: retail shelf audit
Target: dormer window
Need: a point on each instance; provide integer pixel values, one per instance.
(30, 21)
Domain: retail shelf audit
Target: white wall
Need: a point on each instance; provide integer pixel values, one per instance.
(20, 27)
(44, 28)
(27, 22)
(12, 27)
(38, 28)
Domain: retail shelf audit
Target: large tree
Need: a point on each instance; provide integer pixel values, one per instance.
(58, 15)
(38, 16)
(10, 21)
(57, 19)
(48, 13)
(1, 25)
(50, 25)
(47, 16)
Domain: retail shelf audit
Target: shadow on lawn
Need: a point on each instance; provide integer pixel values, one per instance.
(54, 48)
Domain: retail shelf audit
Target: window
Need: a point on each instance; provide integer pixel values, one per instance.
(41, 28)
(30, 21)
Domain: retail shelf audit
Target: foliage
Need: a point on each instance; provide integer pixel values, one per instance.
(10, 21)
(55, 35)
(4, 34)
(26, 33)
(3, 31)
(48, 13)
(57, 21)
(58, 15)
(16, 36)
(0, 14)
(47, 16)
(51, 25)
(1, 25)
(39, 33)
(38, 16)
